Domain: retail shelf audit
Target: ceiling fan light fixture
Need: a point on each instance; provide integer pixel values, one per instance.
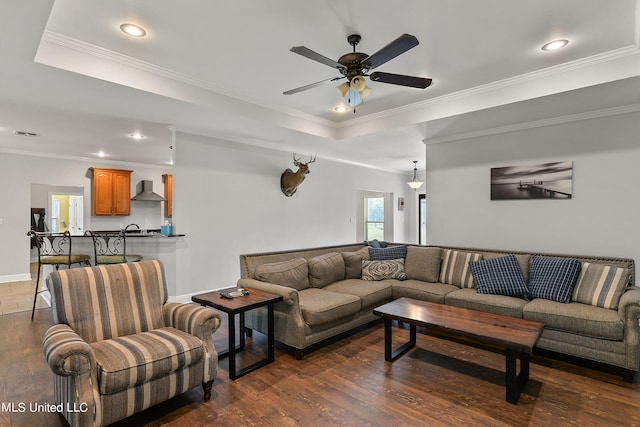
(555, 45)
(358, 83)
(365, 92)
(343, 89)
(133, 30)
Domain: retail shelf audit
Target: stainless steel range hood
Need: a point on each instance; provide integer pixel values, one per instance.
(145, 193)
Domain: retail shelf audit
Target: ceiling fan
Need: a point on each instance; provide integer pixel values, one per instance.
(354, 66)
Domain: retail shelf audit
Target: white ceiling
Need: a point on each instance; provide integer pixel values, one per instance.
(219, 69)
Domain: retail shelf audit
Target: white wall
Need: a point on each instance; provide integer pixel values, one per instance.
(227, 200)
(601, 219)
(18, 172)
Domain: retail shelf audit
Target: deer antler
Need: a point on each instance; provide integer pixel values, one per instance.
(311, 159)
(296, 162)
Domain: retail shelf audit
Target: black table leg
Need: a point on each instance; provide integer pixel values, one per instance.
(270, 334)
(390, 354)
(232, 346)
(516, 382)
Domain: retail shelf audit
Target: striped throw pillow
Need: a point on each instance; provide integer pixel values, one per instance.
(601, 285)
(455, 268)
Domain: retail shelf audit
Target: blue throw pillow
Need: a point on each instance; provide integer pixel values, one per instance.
(385, 254)
(499, 276)
(553, 278)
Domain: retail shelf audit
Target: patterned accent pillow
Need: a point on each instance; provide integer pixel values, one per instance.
(380, 270)
(383, 254)
(553, 278)
(455, 268)
(499, 276)
(601, 285)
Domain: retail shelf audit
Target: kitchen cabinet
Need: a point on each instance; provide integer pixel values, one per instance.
(111, 192)
(168, 194)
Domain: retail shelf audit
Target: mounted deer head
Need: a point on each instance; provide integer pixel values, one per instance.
(289, 180)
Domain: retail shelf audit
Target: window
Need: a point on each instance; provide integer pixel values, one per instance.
(374, 211)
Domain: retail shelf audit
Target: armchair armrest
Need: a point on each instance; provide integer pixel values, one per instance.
(192, 319)
(66, 352)
(200, 322)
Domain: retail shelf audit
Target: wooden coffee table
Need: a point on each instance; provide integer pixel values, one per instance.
(240, 305)
(517, 336)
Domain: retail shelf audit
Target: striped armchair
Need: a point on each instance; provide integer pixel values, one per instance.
(117, 347)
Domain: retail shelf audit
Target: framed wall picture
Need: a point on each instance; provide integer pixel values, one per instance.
(542, 181)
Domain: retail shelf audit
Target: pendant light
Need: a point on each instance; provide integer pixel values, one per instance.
(415, 182)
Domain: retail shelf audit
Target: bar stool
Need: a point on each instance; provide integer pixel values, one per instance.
(54, 249)
(111, 248)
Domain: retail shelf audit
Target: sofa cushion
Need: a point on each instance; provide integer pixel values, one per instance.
(371, 293)
(576, 317)
(418, 289)
(601, 285)
(293, 273)
(320, 306)
(497, 304)
(499, 276)
(423, 263)
(392, 252)
(325, 269)
(133, 360)
(553, 278)
(353, 263)
(381, 270)
(455, 268)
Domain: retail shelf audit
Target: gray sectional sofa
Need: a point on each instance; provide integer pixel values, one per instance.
(330, 290)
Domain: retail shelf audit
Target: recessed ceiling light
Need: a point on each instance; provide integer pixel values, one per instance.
(341, 109)
(136, 135)
(555, 44)
(101, 154)
(133, 30)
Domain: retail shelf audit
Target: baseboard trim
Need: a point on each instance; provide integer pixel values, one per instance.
(186, 298)
(15, 278)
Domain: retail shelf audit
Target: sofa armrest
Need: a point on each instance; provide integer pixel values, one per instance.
(289, 295)
(192, 319)
(66, 352)
(629, 305)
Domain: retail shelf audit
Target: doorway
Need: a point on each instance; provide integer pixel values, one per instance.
(422, 219)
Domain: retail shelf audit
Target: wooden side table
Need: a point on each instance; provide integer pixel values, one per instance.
(240, 305)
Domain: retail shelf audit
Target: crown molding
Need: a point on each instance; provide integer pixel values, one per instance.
(498, 85)
(607, 112)
(128, 61)
(85, 159)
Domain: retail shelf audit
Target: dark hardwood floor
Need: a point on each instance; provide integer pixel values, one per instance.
(443, 381)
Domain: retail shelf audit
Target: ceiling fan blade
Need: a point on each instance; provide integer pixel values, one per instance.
(390, 51)
(311, 86)
(402, 80)
(315, 56)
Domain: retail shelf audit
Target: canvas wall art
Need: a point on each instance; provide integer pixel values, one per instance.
(542, 181)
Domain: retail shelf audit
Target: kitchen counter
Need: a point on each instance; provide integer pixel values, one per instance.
(135, 233)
